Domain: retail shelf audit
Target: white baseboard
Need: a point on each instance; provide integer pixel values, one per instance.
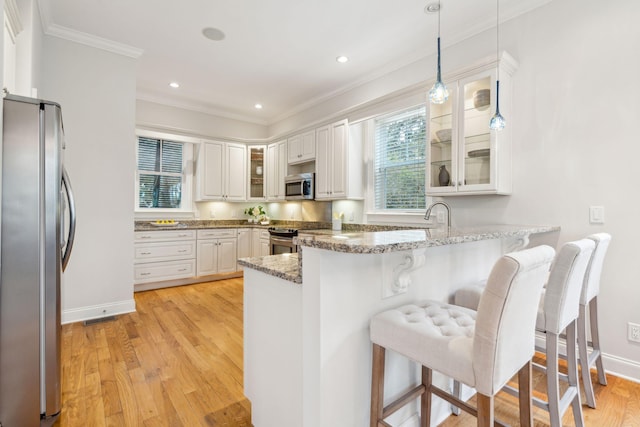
(98, 311)
(614, 365)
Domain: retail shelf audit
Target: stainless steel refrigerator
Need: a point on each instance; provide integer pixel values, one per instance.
(37, 230)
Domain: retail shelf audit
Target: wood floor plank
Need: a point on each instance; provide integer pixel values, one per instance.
(178, 362)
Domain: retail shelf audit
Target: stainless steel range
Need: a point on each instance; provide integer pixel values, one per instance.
(281, 240)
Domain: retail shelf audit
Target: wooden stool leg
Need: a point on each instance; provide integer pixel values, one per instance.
(377, 385)
(553, 385)
(572, 373)
(584, 357)
(425, 399)
(486, 415)
(525, 393)
(595, 339)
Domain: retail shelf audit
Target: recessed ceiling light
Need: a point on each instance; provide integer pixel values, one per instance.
(213, 34)
(174, 85)
(258, 106)
(342, 59)
(432, 8)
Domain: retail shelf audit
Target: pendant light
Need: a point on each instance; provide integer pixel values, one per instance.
(497, 122)
(439, 92)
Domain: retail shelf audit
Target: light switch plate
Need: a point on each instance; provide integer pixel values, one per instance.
(596, 214)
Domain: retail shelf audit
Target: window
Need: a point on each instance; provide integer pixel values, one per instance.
(400, 160)
(162, 183)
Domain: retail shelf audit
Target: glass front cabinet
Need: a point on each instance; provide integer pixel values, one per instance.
(257, 187)
(465, 156)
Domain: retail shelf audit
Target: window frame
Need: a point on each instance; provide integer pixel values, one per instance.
(390, 216)
(187, 209)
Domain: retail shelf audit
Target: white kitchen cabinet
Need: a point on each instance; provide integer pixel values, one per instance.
(221, 172)
(217, 251)
(260, 242)
(339, 162)
(257, 188)
(301, 148)
(276, 170)
(465, 156)
(244, 244)
(164, 255)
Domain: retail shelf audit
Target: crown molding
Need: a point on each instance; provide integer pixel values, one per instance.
(55, 30)
(196, 107)
(12, 15)
(59, 31)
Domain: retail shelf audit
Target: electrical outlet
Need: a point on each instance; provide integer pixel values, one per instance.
(440, 218)
(212, 213)
(633, 332)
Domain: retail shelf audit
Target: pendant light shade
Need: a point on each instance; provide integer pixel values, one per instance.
(497, 122)
(439, 92)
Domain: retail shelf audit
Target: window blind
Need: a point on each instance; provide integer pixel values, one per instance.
(160, 173)
(400, 160)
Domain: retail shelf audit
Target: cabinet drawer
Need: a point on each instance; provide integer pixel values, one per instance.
(264, 235)
(217, 233)
(165, 251)
(168, 270)
(164, 235)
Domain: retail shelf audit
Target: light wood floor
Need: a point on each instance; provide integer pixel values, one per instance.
(178, 362)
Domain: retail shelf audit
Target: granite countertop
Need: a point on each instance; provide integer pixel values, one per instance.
(285, 266)
(399, 240)
(200, 224)
(377, 242)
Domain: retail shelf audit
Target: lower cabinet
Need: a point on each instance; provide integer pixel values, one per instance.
(260, 242)
(185, 255)
(164, 255)
(217, 251)
(244, 245)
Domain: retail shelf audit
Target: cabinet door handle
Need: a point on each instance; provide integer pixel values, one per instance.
(145, 274)
(182, 251)
(145, 237)
(183, 235)
(182, 269)
(145, 253)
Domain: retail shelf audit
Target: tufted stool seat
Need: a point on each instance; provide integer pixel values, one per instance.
(426, 331)
(482, 350)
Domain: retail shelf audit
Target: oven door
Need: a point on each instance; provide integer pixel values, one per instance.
(281, 245)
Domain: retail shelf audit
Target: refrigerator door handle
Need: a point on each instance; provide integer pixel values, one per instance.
(72, 218)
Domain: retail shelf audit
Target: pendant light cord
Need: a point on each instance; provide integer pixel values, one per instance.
(498, 37)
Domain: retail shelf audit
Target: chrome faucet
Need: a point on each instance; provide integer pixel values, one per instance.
(427, 214)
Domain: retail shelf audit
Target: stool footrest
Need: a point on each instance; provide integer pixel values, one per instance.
(403, 400)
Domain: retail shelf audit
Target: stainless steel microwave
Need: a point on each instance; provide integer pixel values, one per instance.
(299, 187)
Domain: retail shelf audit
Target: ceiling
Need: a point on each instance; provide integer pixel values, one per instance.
(279, 53)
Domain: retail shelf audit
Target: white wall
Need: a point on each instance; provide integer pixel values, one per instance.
(96, 90)
(574, 138)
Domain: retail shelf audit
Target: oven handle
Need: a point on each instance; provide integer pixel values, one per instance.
(285, 241)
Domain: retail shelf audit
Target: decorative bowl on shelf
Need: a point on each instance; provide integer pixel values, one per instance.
(483, 152)
(444, 135)
(481, 98)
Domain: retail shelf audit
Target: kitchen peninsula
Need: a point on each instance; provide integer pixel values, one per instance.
(307, 354)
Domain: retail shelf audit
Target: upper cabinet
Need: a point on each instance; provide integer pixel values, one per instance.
(339, 162)
(302, 148)
(257, 182)
(221, 171)
(465, 156)
(276, 170)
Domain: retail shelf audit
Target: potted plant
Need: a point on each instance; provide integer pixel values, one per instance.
(255, 212)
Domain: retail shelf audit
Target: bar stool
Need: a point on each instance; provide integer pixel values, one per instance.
(589, 298)
(483, 351)
(558, 312)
